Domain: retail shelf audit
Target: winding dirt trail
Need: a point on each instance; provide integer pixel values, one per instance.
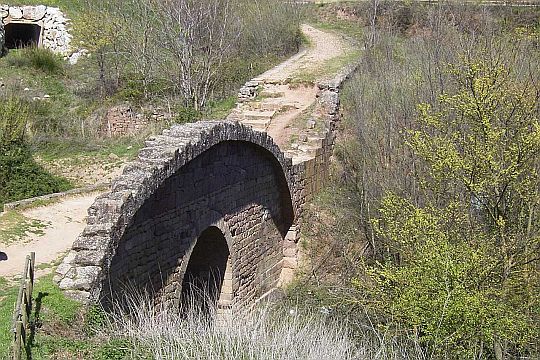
(287, 92)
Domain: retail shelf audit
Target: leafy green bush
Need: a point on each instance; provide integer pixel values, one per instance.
(20, 176)
(461, 265)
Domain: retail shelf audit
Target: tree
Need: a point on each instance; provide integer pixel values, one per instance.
(462, 267)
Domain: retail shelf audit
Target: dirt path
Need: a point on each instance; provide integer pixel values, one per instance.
(287, 91)
(65, 220)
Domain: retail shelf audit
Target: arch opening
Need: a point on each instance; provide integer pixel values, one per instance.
(19, 35)
(208, 277)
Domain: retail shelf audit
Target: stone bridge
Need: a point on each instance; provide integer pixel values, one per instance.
(212, 204)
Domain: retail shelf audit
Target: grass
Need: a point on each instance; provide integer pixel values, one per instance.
(15, 227)
(37, 58)
(330, 67)
(51, 309)
(221, 109)
(122, 147)
(265, 334)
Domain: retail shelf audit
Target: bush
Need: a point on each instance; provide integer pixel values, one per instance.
(20, 176)
(38, 58)
(443, 201)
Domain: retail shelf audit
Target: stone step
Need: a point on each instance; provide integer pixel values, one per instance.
(260, 125)
(273, 105)
(271, 94)
(258, 115)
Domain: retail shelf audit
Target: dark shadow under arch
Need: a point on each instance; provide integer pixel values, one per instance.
(206, 271)
(19, 35)
(231, 180)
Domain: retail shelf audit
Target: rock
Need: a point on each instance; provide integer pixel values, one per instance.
(303, 138)
(15, 13)
(311, 124)
(74, 58)
(113, 156)
(34, 12)
(55, 26)
(4, 11)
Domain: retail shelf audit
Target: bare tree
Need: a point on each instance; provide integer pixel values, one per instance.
(197, 37)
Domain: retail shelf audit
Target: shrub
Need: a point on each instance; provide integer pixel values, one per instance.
(38, 58)
(20, 176)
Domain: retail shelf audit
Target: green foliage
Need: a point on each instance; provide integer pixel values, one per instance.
(38, 58)
(20, 176)
(461, 269)
(186, 114)
(114, 349)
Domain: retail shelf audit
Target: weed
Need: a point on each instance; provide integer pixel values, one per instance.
(15, 227)
(38, 58)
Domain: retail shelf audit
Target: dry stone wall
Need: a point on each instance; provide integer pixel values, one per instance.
(193, 176)
(2, 38)
(54, 25)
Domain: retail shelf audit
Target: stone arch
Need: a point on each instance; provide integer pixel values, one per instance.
(168, 162)
(207, 277)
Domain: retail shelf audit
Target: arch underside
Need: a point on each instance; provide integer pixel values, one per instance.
(234, 186)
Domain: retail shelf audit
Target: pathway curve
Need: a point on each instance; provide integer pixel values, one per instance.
(65, 220)
(286, 92)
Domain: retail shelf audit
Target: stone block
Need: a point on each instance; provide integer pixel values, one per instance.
(34, 13)
(15, 13)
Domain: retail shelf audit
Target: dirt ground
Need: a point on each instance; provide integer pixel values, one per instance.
(288, 90)
(64, 221)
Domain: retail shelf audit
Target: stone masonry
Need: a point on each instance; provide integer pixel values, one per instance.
(193, 177)
(2, 38)
(54, 25)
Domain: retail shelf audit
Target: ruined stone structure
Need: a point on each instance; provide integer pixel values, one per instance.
(37, 26)
(2, 38)
(212, 201)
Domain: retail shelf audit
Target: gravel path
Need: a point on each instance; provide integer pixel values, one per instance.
(65, 221)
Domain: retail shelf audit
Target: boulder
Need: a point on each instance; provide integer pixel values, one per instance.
(4, 11)
(15, 13)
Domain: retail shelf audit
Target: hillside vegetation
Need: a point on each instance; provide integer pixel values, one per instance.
(425, 245)
(171, 61)
(430, 231)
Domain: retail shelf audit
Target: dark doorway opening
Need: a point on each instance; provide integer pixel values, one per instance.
(207, 278)
(19, 35)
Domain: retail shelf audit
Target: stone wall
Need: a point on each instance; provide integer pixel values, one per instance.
(2, 38)
(192, 177)
(310, 175)
(232, 184)
(122, 120)
(54, 25)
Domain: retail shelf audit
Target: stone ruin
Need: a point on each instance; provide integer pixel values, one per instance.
(2, 39)
(40, 26)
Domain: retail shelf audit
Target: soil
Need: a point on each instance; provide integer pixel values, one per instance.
(65, 221)
(291, 85)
